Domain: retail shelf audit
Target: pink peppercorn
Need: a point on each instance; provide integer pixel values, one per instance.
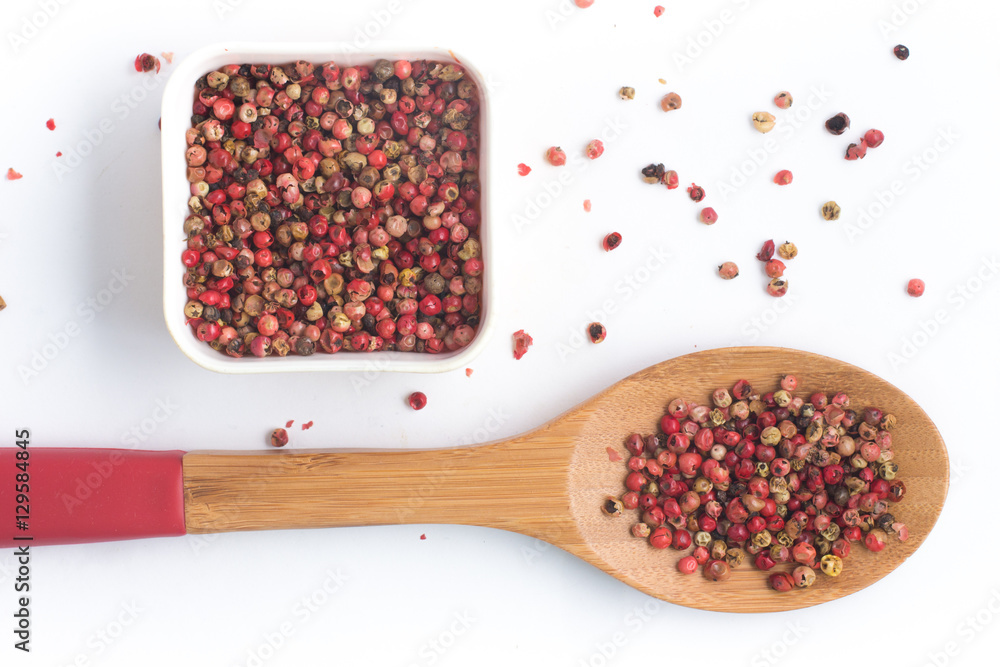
(856, 151)
(595, 149)
(708, 216)
(915, 287)
(658, 11)
(783, 177)
(417, 400)
(522, 342)
(523, 169)
(556, 156)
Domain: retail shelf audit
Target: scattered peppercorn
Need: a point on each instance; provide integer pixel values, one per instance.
(597, 332)
(763, 121)
(279, 437)
(766, 251)
(653, 173)
(3, 304)
(783, 100)
(595, 149)
(670, 102)
(145, 62)
(856, 151)
(788, 250)
(555, 156)
(830, 210)
(838, 124)
(874, 138)
(696, 192)
(915, 287)
(670, 179)
(627, 93)
(13, 175)
(708, 216)
(586, 205)
(728, 270)
(522, 342)
(523, 169)
(50, 123)
(417, 400)
(611, 241)
(468, 372)
(774, 268)
(777, 287)
(901, 52)
(783, 177)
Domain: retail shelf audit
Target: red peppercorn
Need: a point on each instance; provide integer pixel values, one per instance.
(523, 169)
(145, 62)
(874, 138)
(417, 400)
(856, 151)
(766, 251)
(522, 342)
(774, 268)
(660, 538)
(687, 565)
(783, 177)
(915, 287)
(612, 241)
(696, 192)
(717, 570)
(781, 582)
(658, 11)
(279, 437)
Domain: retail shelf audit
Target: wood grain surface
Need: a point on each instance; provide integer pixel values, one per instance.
(549, 483)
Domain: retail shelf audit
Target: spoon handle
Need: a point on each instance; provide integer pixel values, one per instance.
(517, 485)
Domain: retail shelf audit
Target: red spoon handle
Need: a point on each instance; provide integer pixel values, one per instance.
(72, 496)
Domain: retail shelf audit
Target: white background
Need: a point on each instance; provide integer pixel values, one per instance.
(478, 596)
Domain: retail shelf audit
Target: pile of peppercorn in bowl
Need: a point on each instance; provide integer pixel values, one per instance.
(320, 210)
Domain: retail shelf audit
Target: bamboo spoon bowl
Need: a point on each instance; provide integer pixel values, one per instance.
(550, 483)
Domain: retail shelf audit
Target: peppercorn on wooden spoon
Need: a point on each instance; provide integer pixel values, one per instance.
(549, 483)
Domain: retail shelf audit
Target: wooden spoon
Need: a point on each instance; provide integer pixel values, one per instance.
(550, 483)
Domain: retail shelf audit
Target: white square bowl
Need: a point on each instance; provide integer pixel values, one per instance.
(176, 119)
